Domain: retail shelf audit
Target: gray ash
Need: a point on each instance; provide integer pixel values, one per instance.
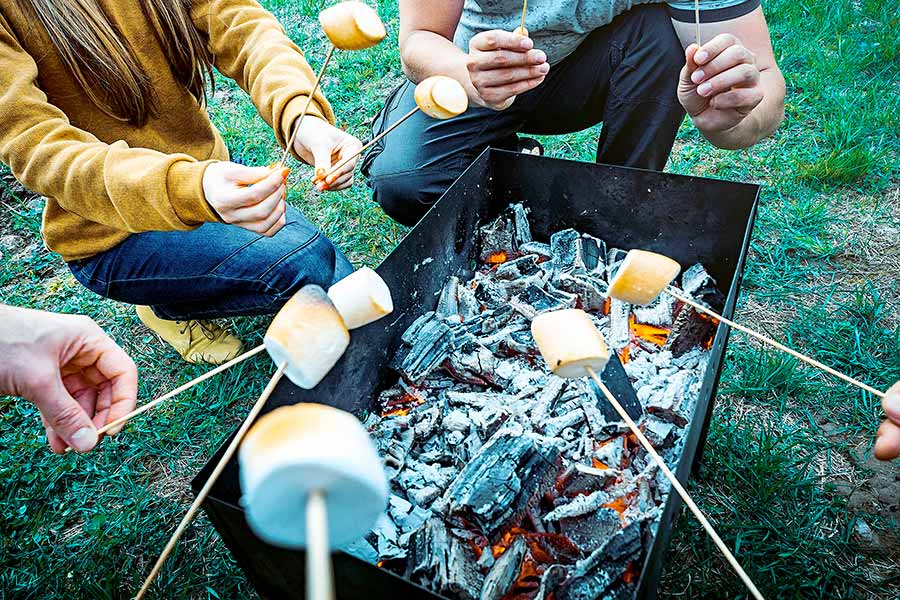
(507, 481)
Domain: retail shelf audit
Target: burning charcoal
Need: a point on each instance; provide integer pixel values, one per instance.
(668, 405)
(659, 313)
(473, 363)
(578, 506)
(469, 306)
(659, 432)
(455, 438)
(551, 579)
(546, 399)
(619, 326)
(418, 475)
(592, 293)
(580, 479)
(430, 345)
(501, 239)
(591, 530)
(690, 330)
(699, 284)
(456, 420)
(448, 303)
(478, 399)
(497, 485)
(486, 560)
(520, 342)
(387, 538)
(424, 496)
(566, 249)
(489, 291)
(533, 301)
(612, 453)
(443, 562)
(495, 320)
(502, 576)
(519, 268)
(362, 550)
(540, 249)
(601, 572)
(552, 427)
(427, 420)
(614, 259)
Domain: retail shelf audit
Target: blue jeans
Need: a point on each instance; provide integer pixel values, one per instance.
(215, 270)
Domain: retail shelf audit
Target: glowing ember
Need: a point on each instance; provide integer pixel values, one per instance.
(401, 406)
(598, 464)
(497, 258)
(631, 573)
(650, 333)
(620, 505)
(625, 355)
(606, 305)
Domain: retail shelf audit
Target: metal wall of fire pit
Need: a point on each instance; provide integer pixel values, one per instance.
(688, 218)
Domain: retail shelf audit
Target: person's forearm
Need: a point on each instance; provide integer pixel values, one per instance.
(762, 120)
(425, 53)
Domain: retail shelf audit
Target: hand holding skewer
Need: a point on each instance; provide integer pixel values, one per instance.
(438, 97)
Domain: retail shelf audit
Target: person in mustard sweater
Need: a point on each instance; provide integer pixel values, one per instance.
(102, 111)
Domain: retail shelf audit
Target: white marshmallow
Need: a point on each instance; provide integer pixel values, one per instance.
(441, 97)
(352, 26)
(362, 298)
(642, 277)
(308, 333)
(295, 450)
(569, 341)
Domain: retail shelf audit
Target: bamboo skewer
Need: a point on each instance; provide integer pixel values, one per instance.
(319, 573)
(371, 143)
(182, 388)
(214, 476)
(696, 21)
(676, 485)
(287, 148)
(767, 340)
(524, 10)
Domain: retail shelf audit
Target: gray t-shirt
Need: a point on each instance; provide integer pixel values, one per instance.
(559, 26)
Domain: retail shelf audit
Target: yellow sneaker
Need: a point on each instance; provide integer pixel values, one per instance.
(196, 341)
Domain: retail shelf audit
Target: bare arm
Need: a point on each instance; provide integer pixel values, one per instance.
(732, 87)
(499, 65)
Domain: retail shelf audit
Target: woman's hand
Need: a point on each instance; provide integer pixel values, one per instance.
(321, 144)
(76, 376)
(249, 197)
(887, 443)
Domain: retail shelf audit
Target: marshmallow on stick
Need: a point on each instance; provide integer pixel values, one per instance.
(352, 26)
(296, 450)
(569, 342)
(309, 335)
(361, 298)
(642, 277)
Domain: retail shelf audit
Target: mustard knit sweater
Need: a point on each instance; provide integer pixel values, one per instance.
(105, 179)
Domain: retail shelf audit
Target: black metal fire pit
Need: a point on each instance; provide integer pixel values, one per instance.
(688, 218)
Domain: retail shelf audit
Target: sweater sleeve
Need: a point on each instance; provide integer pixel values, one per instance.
(250, 46)
(131, 189)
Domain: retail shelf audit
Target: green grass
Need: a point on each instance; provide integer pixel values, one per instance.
(787, 452)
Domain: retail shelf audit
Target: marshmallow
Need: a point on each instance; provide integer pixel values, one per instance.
(642, 277)
(441, 97)
(308, 333)
(352, 26)
(361, 298)
(296, 450)
(569, 341)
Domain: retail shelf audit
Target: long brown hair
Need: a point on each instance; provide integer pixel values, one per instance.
(103, 63)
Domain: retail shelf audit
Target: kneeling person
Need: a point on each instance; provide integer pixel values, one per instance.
(102, 111)
(584, 63)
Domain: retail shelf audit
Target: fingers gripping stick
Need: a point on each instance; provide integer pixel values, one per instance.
(553, 332)
(438, 97)
(322, 457)
(644, 275)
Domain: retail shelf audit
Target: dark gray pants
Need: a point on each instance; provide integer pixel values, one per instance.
(624, 75)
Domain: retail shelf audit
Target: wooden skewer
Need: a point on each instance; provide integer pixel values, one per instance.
(374, 140)
(524, 10)
(697, 20)
(319, 574)
(204, 492)
(145, 407)
(676, 485)
(287, 148)
(767, 340)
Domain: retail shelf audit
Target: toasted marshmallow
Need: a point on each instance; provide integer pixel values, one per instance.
(309, 334)
(569, 341)
(441, 97)
(296, 450)
(361, 298)
(352, 26)
(642, 277)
